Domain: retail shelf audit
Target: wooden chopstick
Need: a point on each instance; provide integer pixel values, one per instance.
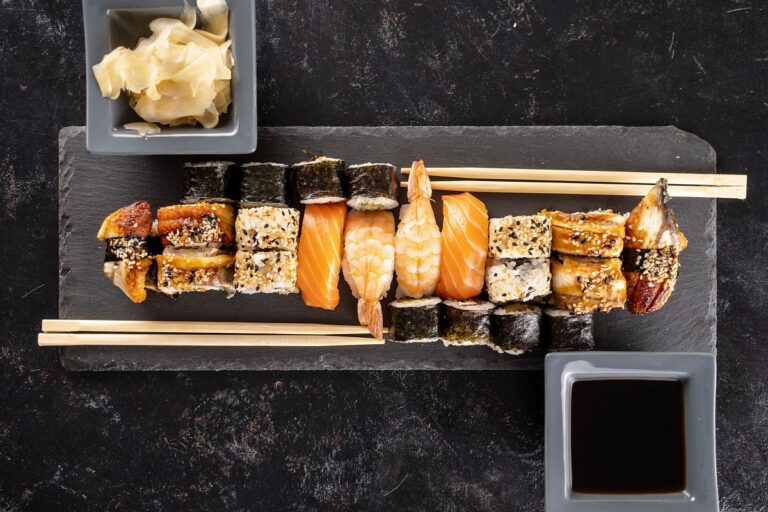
(497, 173)
(149, 326)
(599, 189)
(199, 340)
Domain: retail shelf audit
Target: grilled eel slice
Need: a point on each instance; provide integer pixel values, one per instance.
(134, 220)
(583, 284)
(651, 251)
(191, 270)
(196, 225)
(597, 233)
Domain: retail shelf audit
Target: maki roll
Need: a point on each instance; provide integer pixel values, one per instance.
(466, 322)
(515, 328)
(266, 272)
(210, 182)
(196, 225)
(565, 330)
(598, 233)
(263, 184)
(523, 236)
(130, 249)
(267, 228)
(652, 251)
(319, 181)
(372, 186)
(583, 285)
(520, 280)
(181, 270)
(414, 320)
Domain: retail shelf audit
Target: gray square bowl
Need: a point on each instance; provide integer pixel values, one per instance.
(112, 23)
(697, 374)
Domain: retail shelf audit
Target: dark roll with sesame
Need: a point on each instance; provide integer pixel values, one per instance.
(372, 186)
(565, 331)
(583, 285)
(263, 184)
(132, 248)
(414, 320)
(466, 322)
(210, 182)
(596, 234)
(319, 181)
(652, 251)
(515, 328)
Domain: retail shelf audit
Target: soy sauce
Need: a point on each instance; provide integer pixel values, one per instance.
(627, 436)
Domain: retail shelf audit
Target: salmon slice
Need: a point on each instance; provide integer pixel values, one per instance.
(320, 254)
(464, 247)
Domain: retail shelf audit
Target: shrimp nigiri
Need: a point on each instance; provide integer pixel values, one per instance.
(417, 242)
(320, 254)
(369, 263)
(464, 247)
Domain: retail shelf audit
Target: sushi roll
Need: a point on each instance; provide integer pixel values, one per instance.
(130, 249)
(319, 180)
(263, 184)
(267, 228)
(414, 320)
(266, 272)
(181, 270)
(598, 233)
(210, 182)
(466, 322)
(196, 225)
(652, 252)
(523, 236)
(583, 285)
(372, 186)
(515, 328)
(565, 330)
(520, 280)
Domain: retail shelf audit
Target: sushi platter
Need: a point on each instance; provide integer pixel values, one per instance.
(316, 327)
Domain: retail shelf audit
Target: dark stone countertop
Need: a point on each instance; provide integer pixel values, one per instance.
(373, 440)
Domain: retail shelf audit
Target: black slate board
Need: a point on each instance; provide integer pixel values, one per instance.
(91, 186)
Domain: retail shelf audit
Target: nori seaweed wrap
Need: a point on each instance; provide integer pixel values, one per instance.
(209, 182)
(319, 181)
(466, 322)
(372, 186)
(568, 331)
(515, 328)
(414, 320)
(263, 184)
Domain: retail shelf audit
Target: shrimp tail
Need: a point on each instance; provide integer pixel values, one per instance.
(369, 313)
(418, 182)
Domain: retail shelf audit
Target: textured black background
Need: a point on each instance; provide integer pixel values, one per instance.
(388, 440)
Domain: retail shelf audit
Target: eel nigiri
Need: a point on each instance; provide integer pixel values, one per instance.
(651, 251)
(369, 263)
(320, 254)
(464, 247)
(417, 242)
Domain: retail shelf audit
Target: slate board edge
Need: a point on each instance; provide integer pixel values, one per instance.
(533, 362)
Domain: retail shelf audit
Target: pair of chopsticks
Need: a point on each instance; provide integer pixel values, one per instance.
(584, 182)
(67, 333)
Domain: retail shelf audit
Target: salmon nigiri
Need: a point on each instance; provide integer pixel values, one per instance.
(417, 242)
(369, 262)
(464, 247)
(320, 254)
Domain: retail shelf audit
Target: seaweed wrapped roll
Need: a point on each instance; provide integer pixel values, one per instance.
(319, 180)
(466, 322)
(568, 331)
(211, 182)
(515, 328)
(267, 228)
(266, 272)
(372, 186)
(414, 320)
(263, 184)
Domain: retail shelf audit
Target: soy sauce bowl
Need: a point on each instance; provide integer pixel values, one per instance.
(112, 23)
(695, 375)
